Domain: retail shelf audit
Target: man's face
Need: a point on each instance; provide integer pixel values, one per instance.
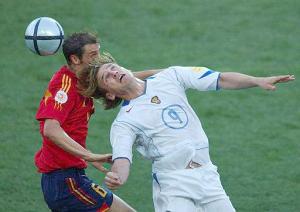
(114, 79)
(90, 52)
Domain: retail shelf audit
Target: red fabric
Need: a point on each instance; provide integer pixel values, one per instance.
(104, 208)
(63, 103)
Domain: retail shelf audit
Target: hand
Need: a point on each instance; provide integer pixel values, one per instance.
(104, 158)
(112, 180)
(267, 83)
(99, 165)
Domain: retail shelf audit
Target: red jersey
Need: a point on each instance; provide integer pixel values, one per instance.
(63, 103)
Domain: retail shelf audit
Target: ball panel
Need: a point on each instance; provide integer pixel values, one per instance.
(30, 45)
(30, 28)
(48, 27)
(48, 47)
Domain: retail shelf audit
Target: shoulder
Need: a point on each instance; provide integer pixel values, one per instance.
(167, 73)
(64, 80)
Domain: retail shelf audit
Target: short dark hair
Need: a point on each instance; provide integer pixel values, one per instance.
(73, 44)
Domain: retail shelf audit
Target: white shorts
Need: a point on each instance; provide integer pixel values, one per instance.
(190, 190)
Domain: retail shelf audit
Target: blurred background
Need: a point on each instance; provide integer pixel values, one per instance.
(254, 134)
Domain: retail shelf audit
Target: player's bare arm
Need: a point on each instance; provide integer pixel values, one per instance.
(145, 74)
(55, 133)
(119, 173)
(232, 80)
(99, 165)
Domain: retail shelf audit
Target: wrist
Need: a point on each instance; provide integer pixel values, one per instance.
(88, 156)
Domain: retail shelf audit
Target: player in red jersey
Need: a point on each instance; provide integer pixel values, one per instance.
(63, 115)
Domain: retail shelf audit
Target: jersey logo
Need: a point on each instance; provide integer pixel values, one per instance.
(61, 96)
(155, 100)
(175, 117)
(129, 109)
(198, 69)
(47, 95)
(206, 74)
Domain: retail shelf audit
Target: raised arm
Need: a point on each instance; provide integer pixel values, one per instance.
(145, 74)
(232, 80)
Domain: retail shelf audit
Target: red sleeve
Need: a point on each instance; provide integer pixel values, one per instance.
(59, 99)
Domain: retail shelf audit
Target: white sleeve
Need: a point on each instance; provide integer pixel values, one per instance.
(200, 78)
(122, 138)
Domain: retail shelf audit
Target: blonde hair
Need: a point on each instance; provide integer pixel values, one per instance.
(88, 83)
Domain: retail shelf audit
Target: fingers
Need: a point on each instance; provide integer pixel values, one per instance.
(103, 169)
(285, 78)
(112, 180)
(268, 83)
(108, 158)
(271, 87)
(105, 158)
(99, 165)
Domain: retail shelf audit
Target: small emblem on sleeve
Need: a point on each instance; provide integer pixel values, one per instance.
(199, 69)
(155, 100)
(206, 74)
(47, 95)
(61, 97)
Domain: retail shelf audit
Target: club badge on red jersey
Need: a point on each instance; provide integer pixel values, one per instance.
(61, 96)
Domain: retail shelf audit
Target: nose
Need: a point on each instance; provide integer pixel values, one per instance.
(115, 74)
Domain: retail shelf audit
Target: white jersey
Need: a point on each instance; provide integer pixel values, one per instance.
(161, 121)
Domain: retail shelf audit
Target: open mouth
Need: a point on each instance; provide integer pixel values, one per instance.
(121, 77)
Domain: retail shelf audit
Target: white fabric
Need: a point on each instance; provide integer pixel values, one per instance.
(197, 187)
(157, 128)
(221, 205)
(165, 129)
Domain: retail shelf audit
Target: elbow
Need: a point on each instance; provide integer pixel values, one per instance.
(49, 129)
(222, 82)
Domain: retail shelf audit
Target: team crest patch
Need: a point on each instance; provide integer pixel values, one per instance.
(61, 97)
(155, 100)
(199, 69)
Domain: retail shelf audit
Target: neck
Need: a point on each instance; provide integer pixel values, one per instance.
(75, 69)
(136, 89)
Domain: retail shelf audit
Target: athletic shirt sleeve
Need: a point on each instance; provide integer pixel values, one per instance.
(199, 78)
(122, 138)
(59, 99)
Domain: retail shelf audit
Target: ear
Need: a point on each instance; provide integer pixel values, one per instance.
(110, 96)
(74, 59)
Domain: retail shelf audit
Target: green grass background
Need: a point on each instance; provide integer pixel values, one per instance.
(254, 134)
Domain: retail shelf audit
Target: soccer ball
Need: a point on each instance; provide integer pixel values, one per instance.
(44, 36)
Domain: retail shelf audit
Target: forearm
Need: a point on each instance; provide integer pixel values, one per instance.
(58, 136)
(61, 139)
(232, 80)
(145, 74)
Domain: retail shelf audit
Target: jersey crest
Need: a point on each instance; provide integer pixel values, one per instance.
(61, 96)
(155, 100)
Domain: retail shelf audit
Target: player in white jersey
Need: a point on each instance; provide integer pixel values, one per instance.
(157, 118)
